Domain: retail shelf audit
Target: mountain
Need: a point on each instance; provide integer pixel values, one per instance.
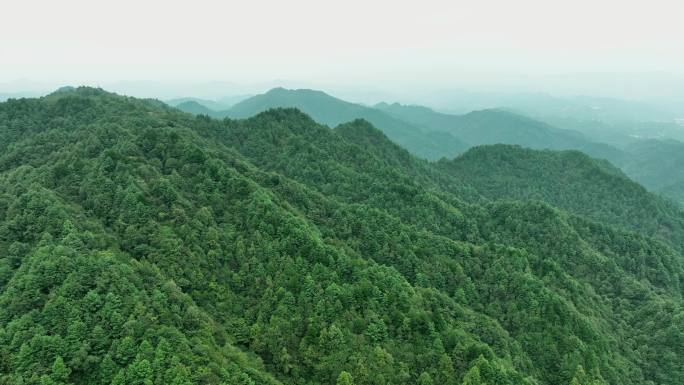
(328, 110)
(546, 106)
(623, 133)
(570, 180)
(213, 105)
(658, 165)
(196, 108)
(208, 104)
(495, 126)
(674, 191)
(422, 131)
(143, 245)
(14, 95)
(433, 135)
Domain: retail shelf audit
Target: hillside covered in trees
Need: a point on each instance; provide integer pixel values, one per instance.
(143, 245)
(649, 152)
(570, 180)
(326, 109)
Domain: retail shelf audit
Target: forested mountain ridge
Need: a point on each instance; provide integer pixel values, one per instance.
(142, 245)
(570, 180)
(424, 132)
(332, 111)
(432, 135)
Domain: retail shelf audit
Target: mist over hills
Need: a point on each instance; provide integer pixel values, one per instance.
(500, 126)
(545, 105)
(212, 105)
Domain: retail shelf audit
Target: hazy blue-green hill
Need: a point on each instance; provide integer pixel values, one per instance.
(196, 108)
(216, 106)
(422, 131)
(545, 106)
(332, 111)
(658, 165)
(496, 126)
(674, 191)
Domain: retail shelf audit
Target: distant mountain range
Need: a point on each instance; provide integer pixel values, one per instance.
(210, 105)
(331, 111)
(543, 105)
(494, 126)
(10, 95)
(432, 135)
(424, 132)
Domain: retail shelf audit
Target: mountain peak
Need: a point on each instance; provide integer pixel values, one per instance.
(284, 113)
(81, 91)
(64, 89)
(277, 90)
(361, 127)
(281, 91)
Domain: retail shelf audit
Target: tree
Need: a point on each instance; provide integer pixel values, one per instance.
(344, 379)
(425, 379)
(445, 367)
(472, 377)
(60, 372)
(139, 373)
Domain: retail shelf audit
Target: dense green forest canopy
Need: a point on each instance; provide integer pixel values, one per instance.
(570, 180)
(143, 245)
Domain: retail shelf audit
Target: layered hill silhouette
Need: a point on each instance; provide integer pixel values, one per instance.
(498, 126)
(197, 108)
(143, 245)
(331, 111)
(433, 135)
(424, 132)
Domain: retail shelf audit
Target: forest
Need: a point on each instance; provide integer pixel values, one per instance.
(143, 245)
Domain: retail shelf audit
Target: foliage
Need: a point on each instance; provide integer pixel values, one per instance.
(142, 245)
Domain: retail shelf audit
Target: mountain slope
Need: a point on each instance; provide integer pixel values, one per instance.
(214, 105)
(332, 111)
(500, 127)
(156, 194)
(276, 250)
(570, 180)
(410, 202)
(658, 165)
(196, 108)
(545, 106)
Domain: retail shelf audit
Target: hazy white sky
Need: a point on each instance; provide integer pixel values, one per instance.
(345, 41)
